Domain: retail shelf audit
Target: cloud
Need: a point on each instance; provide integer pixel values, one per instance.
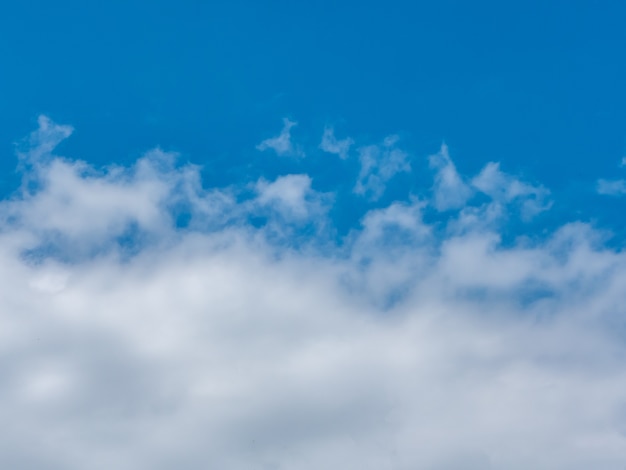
(450, 192)
(216, 345)
(504, 188)
(611, 187)
(331, 144)
(44, 140)
(397, 224)
(292, 196)
(380, 163)
(282, 144)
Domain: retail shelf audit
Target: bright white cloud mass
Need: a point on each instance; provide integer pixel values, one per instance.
(131, 340)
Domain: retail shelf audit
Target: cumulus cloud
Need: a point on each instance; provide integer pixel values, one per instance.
(212, 345)
(69, 203)
(380, 163)
(282, 144)
(333, 145)
(292, 196)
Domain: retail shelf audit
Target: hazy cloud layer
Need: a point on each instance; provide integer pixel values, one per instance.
(130, 340)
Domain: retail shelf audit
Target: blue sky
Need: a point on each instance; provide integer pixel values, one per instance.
(289, 235)
(537, 86)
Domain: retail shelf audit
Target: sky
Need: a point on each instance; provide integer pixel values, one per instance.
(304, 235)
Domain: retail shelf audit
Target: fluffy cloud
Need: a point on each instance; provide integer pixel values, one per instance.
(211, 345)
(292, 197)
(282, 143)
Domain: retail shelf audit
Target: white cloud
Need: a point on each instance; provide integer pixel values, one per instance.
(450, 192)
(219, 348)
(611, 187)
(331, 144)
(292, 196)
(380, 163)
(282, 144)
(44, 140)
(398, 218)
(623, 162)
(504, 188)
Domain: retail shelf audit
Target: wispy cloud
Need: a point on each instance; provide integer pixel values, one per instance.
(43, 140)
(292, 196)
(331, 144)
(214, 345)
(506, 188)
(380, 163)
(450, 191)
(616, 187)
(282, 144)
(611, 187)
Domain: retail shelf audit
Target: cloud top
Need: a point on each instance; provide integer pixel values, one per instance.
(214, 343)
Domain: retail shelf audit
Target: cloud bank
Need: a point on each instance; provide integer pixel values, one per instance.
(133, 340)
